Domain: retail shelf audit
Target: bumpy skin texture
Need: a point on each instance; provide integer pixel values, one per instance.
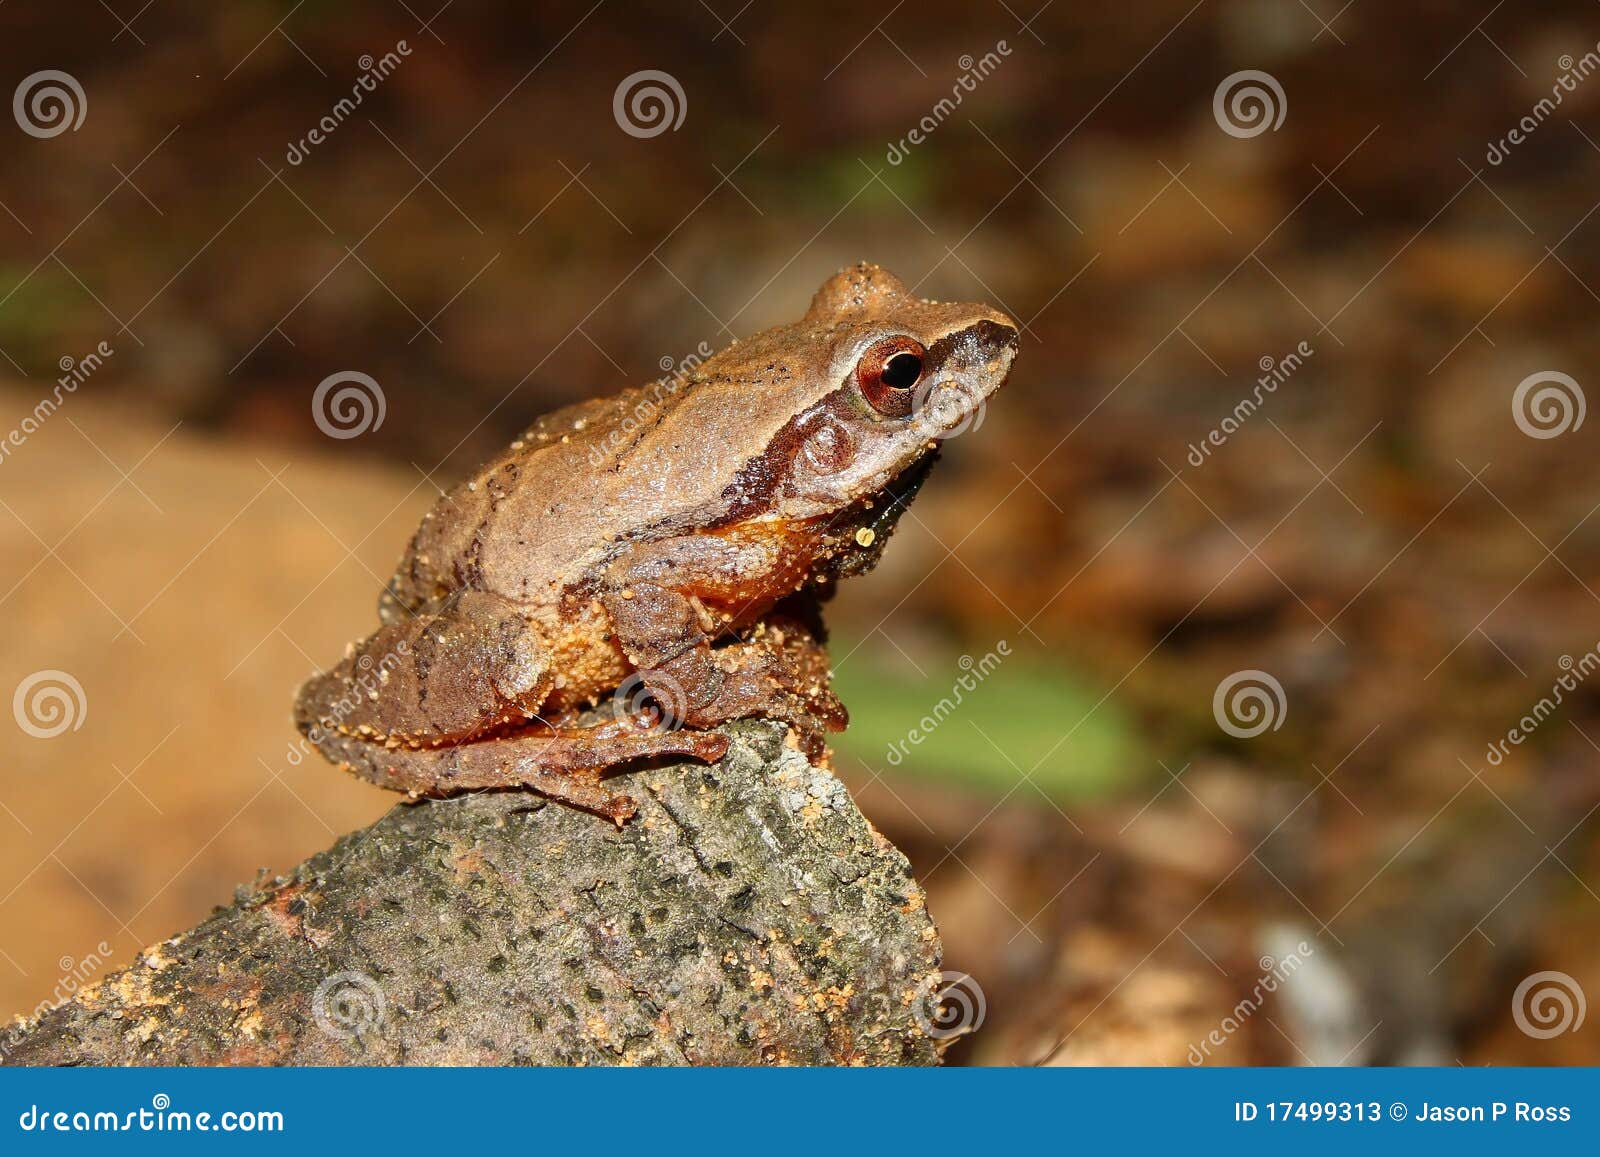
(665, 544)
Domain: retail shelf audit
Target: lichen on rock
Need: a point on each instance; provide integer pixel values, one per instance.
(749, 914)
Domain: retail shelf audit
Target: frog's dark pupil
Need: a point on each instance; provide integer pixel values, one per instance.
(902, 371)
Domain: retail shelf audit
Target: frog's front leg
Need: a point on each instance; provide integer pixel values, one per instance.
(671, 601)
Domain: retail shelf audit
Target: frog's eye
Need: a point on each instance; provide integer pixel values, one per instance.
(888, 373)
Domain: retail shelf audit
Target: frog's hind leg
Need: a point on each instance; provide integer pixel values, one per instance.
(474, 666)
(450, 701)
(565, 764)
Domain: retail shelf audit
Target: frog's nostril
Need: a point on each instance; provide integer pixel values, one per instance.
(997, 334)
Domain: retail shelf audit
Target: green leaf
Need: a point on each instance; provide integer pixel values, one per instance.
(985, 721)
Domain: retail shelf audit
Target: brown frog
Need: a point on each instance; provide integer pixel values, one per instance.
(665, 547)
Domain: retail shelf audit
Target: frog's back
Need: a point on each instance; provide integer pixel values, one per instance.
(545, 515)
(471, 523)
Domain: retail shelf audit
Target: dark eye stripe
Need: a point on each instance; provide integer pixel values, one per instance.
(986, 331)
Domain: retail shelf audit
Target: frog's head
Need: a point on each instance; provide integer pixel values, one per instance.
(882, 377)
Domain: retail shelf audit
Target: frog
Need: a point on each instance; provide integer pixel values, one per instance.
(637, 570)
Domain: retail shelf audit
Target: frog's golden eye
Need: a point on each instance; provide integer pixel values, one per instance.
(888, 373)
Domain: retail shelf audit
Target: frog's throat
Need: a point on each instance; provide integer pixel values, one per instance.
(862, 530)
(893, 499)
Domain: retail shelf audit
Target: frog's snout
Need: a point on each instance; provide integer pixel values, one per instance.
(999, 333)
(989, 351)
(952, 399)
(989, 357)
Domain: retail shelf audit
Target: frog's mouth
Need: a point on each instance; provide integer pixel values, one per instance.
(875, 518)
(895, 497)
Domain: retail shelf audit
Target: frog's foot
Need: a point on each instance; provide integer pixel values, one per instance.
(799, 662)
(776, 667)
(758, 682)
(563, 763)
(780, 672)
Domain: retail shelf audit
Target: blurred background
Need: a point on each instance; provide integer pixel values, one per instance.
(1227, 688)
